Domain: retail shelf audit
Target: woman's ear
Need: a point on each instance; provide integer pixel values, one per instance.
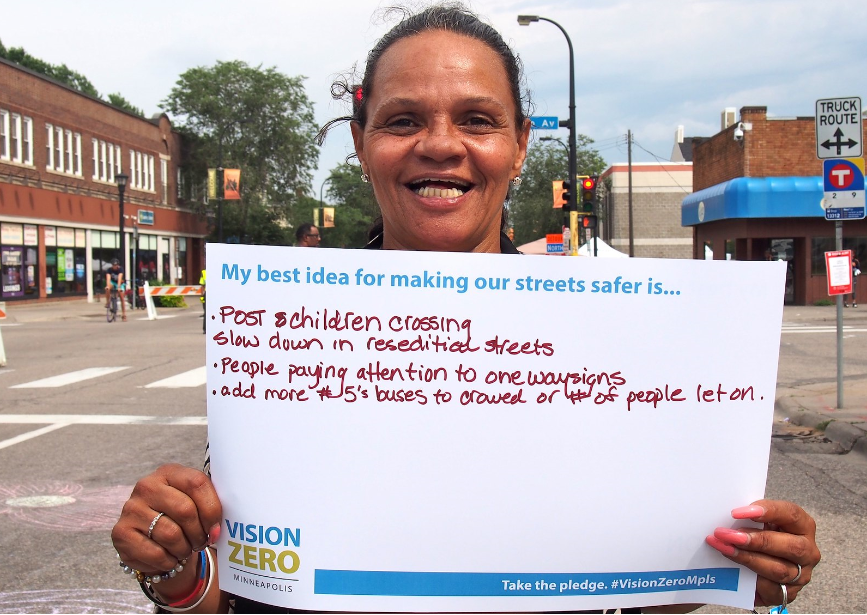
(358, 141)
(523, 139)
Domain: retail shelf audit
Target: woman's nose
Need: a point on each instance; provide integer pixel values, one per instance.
(441, 142)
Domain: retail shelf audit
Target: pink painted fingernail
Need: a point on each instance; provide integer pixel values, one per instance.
(722, 547)
(732, 537)
(214, 534)
(748, 512)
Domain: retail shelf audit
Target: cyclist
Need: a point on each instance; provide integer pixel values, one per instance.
(114, 280)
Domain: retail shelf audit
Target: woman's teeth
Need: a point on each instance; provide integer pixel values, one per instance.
(441, 193)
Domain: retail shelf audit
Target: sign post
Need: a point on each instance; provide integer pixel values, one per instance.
(2, 351)
(839, 143)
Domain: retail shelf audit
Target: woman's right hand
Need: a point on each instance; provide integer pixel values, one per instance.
(190, 521)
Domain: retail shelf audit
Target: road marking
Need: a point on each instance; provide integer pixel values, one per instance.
(159, 317)
(32, 434)
(193, 378)
(69, 378)
(10, 324)
(818, 329)
(101, 419)
(6, 370)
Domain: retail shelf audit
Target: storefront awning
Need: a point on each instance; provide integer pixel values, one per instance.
(755, 197)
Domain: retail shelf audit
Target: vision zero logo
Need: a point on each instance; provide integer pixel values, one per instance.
(266, 549)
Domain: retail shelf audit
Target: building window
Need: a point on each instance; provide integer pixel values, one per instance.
(49, 146)
(58, 148)
(164, 178)
(131, 168)
(117, 168)
(15, 142)
(180, 184)
(95, 144)
(27, 139)
(151, 173)
(78, 154)
(4, 135)
(70, 168)
(111, 163)
(138, 170)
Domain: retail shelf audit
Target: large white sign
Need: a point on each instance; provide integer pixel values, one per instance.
(839, 129)
(409, 431)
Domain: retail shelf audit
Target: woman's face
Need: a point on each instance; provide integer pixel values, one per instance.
(441, 143)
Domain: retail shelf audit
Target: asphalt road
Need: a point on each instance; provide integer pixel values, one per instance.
(61, 489)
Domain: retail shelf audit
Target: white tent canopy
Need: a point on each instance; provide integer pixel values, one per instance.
(601, 249)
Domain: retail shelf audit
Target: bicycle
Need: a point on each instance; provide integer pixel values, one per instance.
(111, 310)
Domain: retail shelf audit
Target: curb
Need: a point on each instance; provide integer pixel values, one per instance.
(850, 437)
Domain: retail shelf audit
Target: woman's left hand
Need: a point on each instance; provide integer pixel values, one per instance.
(783, 552)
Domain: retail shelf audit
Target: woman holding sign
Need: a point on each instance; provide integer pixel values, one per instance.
(441, 133)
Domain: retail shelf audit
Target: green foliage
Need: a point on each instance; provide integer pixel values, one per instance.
(58, 72)
(531, 211)
(120, 102)
(823, 302)
(355, 208)
(167, 302)
(260, 121)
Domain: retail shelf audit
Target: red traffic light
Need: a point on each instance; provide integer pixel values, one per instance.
(588, 183)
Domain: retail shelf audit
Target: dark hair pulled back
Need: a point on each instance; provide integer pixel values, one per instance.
(448, 16)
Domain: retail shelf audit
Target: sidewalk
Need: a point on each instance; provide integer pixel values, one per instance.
(52, 311)
(815, 406)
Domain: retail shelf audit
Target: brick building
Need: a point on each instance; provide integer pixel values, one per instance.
(658, 190)
(758, 195)
(60, 151)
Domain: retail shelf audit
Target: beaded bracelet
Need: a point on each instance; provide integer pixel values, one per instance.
(154, 578)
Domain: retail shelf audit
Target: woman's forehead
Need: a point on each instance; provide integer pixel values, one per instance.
(435, 53)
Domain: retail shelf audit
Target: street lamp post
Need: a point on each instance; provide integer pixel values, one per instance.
(121, 179)
(526, 20)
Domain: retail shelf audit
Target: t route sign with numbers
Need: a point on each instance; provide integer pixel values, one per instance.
(839, 132)
(844, 189)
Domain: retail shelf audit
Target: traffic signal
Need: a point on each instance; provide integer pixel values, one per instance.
(588, 194)
(588, 221)
(561, 193)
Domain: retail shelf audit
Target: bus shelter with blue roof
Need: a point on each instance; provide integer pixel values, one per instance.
(762, 218)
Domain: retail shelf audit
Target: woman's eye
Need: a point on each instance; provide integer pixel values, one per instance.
(401, 122)
(479, 121)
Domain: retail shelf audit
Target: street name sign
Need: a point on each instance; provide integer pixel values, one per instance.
(839, 132)
(554, 243)
(544, 122)
(844, 189)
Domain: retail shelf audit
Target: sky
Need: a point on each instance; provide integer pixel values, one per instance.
(647, 66)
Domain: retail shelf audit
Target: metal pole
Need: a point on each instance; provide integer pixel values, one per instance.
(121, 238)
(838, 228)
(220, 188)
(631, 231)
(573, 160)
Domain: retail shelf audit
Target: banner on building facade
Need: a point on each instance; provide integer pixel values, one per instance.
(231, 183)
(212, 183)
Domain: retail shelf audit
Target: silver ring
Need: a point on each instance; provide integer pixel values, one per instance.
(797, 576)
(785, 598)
(153, 524)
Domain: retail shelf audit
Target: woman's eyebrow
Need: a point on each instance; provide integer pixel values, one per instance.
(402, 101)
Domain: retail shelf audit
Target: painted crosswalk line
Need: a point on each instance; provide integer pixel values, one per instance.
(100, 419)
(193, 378)
(69, 378)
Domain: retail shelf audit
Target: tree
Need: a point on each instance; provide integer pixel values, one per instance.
(531, 211)
(355, 207)
(120, 102)
(58, 72)
(260, 121)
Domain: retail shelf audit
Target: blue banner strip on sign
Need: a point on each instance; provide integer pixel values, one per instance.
(383, 583)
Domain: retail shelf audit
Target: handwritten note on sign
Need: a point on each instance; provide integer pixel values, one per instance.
(407, 431)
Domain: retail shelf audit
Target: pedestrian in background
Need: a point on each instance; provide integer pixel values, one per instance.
(856, 271)
(202, 280)
(307, 236)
